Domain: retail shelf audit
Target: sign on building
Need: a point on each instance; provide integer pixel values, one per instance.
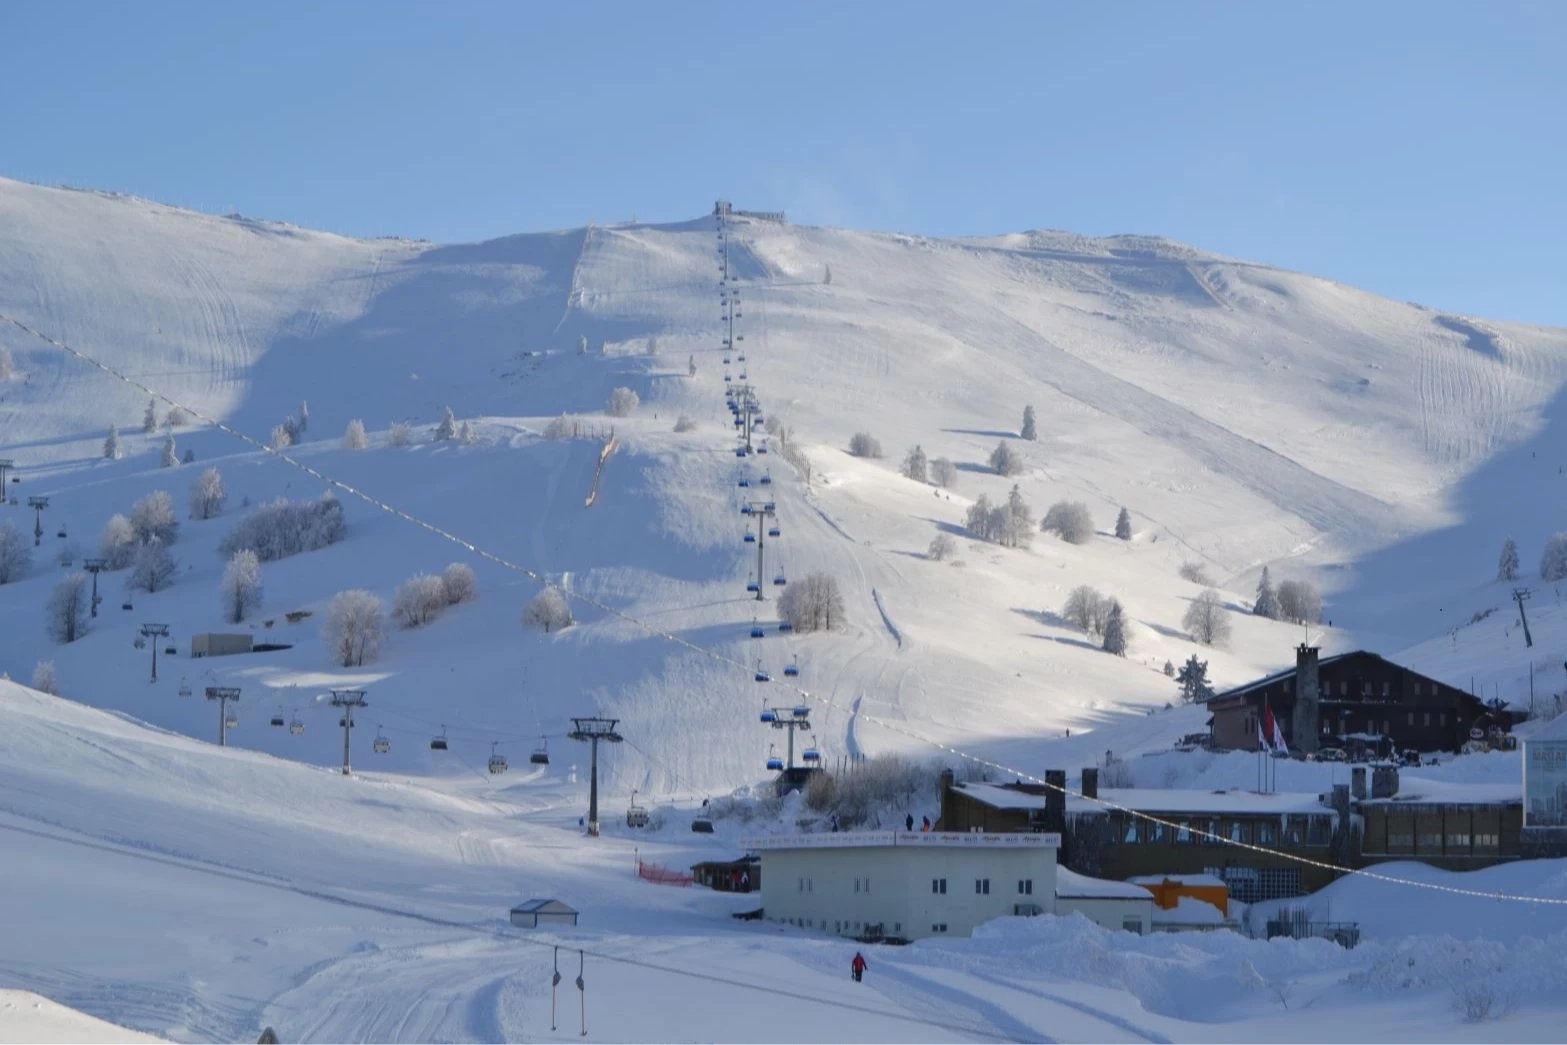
(1545, 783)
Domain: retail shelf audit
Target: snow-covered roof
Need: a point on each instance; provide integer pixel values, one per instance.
(1418, 789)
(1555, 729)
(1183, 879)
(1189, 910)
(1155, 800)
(906, 839)
(1071, 885)
(543, 907)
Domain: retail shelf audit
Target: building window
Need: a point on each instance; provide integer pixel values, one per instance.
(1428, 718)
(810, 886)
(1319, 830)
(1129, 835)
(856, 885)
(1487, 841)
(1156, 833)
(982, 886)
(1343, 689)
(939, 927)
(1132, 925)
(897, 927)
(1294, 833)
(837, 927)
(1287, 684)
(1417, 692)
(1238, 831)
(1025, 886)
(1365, 689)
(1267, 832)
(1387, 690)
(1443, 718)
(1183, 832)
(867, 885)
(938, 885)
(1387, 727)
(1457, 841)
(1428, 842)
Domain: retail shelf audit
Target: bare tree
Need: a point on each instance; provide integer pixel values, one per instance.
(623, 402)
(944, 473)
(447, 429)
(240, 591)
(548, 610)
(154, 568)
(1123, 525)
(45, 679)
(813, 603)
(980, 519)
(354, 437)
(16, 555)
(118, 543)
(915, 466)
(419, 600)
(1030, 431)
(399, 434)
(352, 627)
(1299, 602)
(1005, 461)
(65, 614)
(459, 584)
(153, 516)
(863, 444)
(1205, 619)
(177, 417)
(942, 547)
(1069, 520)
(1195, 572)
(1086, 608)
(207, 495)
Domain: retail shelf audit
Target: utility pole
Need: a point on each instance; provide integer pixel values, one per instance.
(223, 694)
(348, 700)
(153, 632)
(94, 567)
(594, 730)
(762, 511)
(6, 465)
(38, 504)
(1520, 596)
(794, 718)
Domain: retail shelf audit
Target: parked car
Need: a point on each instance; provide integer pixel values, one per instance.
(1331, 754)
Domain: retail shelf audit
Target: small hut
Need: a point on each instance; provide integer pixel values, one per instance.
(539, 913)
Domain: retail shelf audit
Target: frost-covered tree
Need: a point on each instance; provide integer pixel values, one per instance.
(1299, 602)
(1553, 561)
(1168, 669)
(863, 444)
(1015, 527)
(399, 434)
(282, 437)
(154, 568)
(942, 547)
(45, 678)
(7, 364)
(691, 367)
(915, 466)
(978, 519)
(117, 545)
(684, 423)
(149, 420)
(1115, 638)
(418, 600)
(207, 495)
(304, 416)
(465, 436)
(1004, 460)
(354, 437)
(582, 344)
(548, 610)
(1070, 521)
(652, 346)
(459, 584)
(283, 528)
(188, 457)
(563, 427)
(827, 275)
(1029, 431)
(1123, 525)
(1205, 619)
(352, 627)
(240, 591)
(1195, 572)
(813, 603)
(152, 516)
(944, 473)
(1267, 604)
(65, 614)
(177, 417)
(111, 444)
(16, 555)
(171, 457)
(1086, 608)
(623, 402)
(1507, 562)
(447, 429)
(1193, 680)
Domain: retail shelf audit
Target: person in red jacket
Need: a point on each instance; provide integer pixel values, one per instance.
(858, 966)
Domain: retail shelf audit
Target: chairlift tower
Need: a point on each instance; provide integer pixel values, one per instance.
(223, 694)
(153, 632)
(6, 465)
(348, 700)
(95, 567)
(593, 730)
(761, 511)
(1520, 596)
(38, 504)
(792, 719)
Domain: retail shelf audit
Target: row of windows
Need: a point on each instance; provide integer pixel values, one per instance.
(1295, 830)
(1366, 688)
(938, 886)
(1457, 842)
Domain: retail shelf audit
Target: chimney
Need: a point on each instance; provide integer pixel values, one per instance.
(1384, 781)
(1055, 800)
(944, 818)
(1091, 782)
(1305, 721)
(1357, 782)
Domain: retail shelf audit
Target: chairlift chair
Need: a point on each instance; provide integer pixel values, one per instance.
(138, 642)
(762, 449)
(773, 531)
(277, 720)
(541, 754)
(295, 726)
(739, 452)
(61, 534)
(702, 823)
(636, 816)
(758, 420)
(497, 761)
(750, 538)
(792, 669)
(756, 631)
(774, 763)
(170, 651)
(811, 756)
(726, 361)
(752, 587)
(184, 688)
(439, 743)
(770, 506)
(785, 626)
(745, 509)
(769, 716)
(761, 674)
(381, 745)
(126, 606)
(744, 481)
(743, 376)
(801, 711)
(780, 580)
(231, 721)
(766, 479)
(739, 337)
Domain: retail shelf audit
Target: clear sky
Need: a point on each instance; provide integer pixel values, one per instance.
(1415, 149)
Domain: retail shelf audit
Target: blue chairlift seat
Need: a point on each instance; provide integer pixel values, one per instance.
(740, 451)
(277, 720)
(801, 711)
(744, 481)
(745, 509)
(726, 361)
(773, 531)
(792, 669)
(761, 449)
(757, 632)
(758, 419)
(768, 717)
(750, 538)
(766, 479)
(771, 506)
(763, 676)
(752, 586)
(811, 755)
(780, 580)
(775, 764)
(784, 625)
(728, 378)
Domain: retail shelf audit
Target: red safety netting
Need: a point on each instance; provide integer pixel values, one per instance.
(660, 875)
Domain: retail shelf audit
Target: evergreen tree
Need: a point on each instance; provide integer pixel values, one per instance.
(111, 444)
(170, 458)
(915, 466)
(582, 345)
(447, 429)
(1193, 680)
(1123, 525)
(1029, 432)
(1507, 565)
(691, 367)
(149, 420)
(1267, 604)
(1115, 630)
(1169, 670)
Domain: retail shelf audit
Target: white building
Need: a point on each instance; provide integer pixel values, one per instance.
(538, 913)
(905, 884)
(1114, 905)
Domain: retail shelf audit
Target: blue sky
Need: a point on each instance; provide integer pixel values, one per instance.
(1415, 149)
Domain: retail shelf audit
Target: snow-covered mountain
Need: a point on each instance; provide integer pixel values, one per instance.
(1246, 416)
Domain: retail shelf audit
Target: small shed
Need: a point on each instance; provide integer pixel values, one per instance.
(1114, 905)
(538, 913)
(216, 644)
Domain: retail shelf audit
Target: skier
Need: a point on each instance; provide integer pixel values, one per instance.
(857, 967)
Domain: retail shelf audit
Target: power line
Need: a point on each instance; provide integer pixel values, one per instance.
(714, 655)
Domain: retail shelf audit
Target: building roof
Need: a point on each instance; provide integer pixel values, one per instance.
(1073, 886)
(908, 839)
(1414, 790)
(1555, 729)
(1154, 800)
(543, 907)
(1189, 910)
(1212, 881)
(1279, 676)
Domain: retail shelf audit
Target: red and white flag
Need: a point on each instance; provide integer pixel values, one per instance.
(1275, 733)
(1262, 736)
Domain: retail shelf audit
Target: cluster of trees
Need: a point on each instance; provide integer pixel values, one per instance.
(16, 553)
(1070, 521)
(399, 434)
(863, 444)
(812, 603)
(1553, 561)
(424, 596)
(549, 610)
(1087, 608)
(447, 430)
(151, 520)
(283, 528)
(1010, 525)
(1298, 602)
(1195, 572)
